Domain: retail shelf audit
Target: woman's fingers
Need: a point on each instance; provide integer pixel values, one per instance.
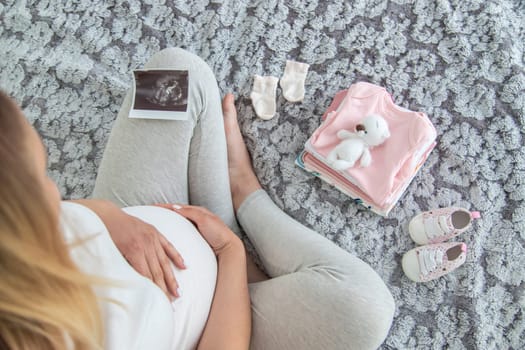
(169, 277)
(139, 263)
(164, 205)
(213, 230)
(192, 213)
(156, 271)
(147, 267)
(172, 253)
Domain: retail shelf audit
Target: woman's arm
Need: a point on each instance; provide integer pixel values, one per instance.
(229, 323)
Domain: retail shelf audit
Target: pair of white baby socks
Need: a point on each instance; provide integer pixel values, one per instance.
(264, 88)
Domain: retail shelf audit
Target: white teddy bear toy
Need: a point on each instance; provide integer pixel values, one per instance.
(372, 131)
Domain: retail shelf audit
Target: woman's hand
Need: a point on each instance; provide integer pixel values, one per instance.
(213, 230)
(141, 244)
(146, 249)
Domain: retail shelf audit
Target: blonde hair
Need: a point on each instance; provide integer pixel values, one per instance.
(45, 301)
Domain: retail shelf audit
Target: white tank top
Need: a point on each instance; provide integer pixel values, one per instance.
(136, 313)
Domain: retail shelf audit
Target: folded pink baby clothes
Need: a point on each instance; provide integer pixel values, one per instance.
(394, 163)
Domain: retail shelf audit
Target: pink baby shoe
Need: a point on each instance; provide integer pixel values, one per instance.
(439, 225)
(425, 263)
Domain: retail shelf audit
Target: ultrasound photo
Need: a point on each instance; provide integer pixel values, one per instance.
(160, 94)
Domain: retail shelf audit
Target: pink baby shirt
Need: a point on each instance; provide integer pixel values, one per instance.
(396, 160)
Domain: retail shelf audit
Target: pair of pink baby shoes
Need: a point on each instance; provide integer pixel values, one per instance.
(434, 259)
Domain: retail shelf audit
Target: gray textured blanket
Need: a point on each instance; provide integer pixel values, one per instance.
(462, 62)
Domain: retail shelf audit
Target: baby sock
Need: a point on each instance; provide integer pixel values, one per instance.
(293, 79)
(263, 96)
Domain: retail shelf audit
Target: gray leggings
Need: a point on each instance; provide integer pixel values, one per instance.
(319, 296)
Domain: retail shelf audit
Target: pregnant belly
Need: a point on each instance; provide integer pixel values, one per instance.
(196, 282)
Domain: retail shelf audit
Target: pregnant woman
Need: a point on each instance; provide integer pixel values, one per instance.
(161, 273)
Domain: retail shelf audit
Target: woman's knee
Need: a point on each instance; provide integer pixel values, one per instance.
(379, 316)
(177, 58)
(370, 308)
(351, 314)
(358, 308)
(312, 309)
(202, 86)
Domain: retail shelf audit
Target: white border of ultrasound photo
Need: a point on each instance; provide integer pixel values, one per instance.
(150, 103)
